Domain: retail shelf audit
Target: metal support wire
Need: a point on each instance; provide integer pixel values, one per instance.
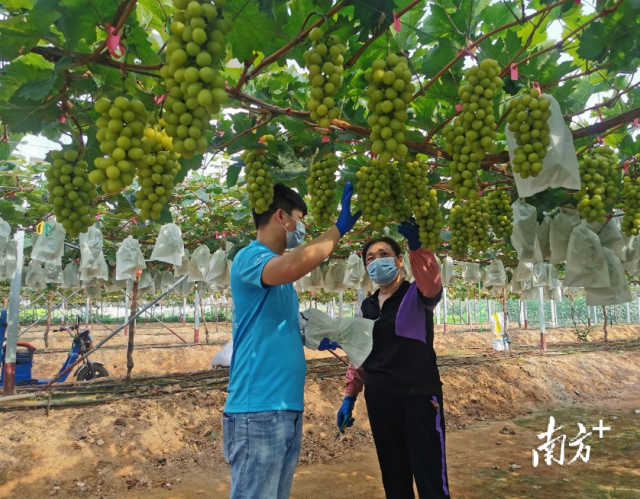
(162, 323)
(52, 310)
(86, 313)
(33, 302)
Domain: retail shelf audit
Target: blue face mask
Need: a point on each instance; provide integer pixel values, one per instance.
(295, 237)
(383, 271)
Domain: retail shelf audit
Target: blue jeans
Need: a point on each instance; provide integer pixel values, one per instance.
(262, 449)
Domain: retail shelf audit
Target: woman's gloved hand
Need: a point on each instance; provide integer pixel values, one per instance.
(327, 344)
(410, 231)
(345, 411)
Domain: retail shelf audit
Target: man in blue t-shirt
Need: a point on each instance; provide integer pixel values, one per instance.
(262, 424)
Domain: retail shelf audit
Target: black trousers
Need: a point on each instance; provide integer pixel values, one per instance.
(408, 431)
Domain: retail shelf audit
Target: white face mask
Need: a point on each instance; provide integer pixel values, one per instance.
(295, 237)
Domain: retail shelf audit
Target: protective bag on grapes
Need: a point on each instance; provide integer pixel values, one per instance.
(406, 267)
(112, 285)
(129, 259)
(5, 234)
(556, 294)
(35, 276)
(615, 294)
(559, 233)
(93, 292)
(515, 286)
(366, 284)
(49, 248)
(554, 276)
(169, 247)
(167, 280)
(559, 167)
(540, 275)
(632, 255)
(529, 292)
(334, 278)
(610, 237)
(524, 271)
(355, 271)
(543, 237)
(53, 273)
(8, 268)
(71, 277)
(496, 276)
(217, 270)
(92, 262)
(524, 238)
(446, 274)
(184, 288)
(586, 264)
(182, 268)
(354, 335)
(146, 285)
(199, 264)
(314, 280)
(471, 273)
(297, 285)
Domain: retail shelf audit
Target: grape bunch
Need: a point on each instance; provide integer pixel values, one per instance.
(322, 187)
(373, 190)
(631, 218)
(422, 201)
(476, 218)
(398, 203)
(157, 174)
(258, 178)
(472, 134)
(598, 186)
(500, 213)
(459, 241)
(195, 51)
(390, 91)
(324, 61)
(120, 132)
(528, 122)
(70, 191)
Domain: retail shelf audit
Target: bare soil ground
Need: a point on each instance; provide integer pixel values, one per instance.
(170, 446)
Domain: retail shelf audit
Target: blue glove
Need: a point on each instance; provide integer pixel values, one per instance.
(411, 233)
(346, 220)
(327, 344)
(345, 412)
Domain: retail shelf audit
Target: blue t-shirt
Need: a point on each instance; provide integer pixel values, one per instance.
(268, 367)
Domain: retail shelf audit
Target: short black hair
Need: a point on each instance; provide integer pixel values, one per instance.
(384, 239)
(284, 198)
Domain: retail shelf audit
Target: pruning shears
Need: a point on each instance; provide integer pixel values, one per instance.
(44, 227)
(342, 427)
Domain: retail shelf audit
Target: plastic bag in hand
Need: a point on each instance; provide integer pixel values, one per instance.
(71, 277)
(471, 272)
(35, 276)
(559, 167)
(129, 259)
(217, 269)
(559, 233)
(169, 247)
(223, 357)
(496, 276)
(8, 268)
(354, 336)
(618, 292)
(446, 275)
(5, 235)
(524, 238)
(199, 264)
(355, 271)
(49, 248)
(543, 237)
(586, 264)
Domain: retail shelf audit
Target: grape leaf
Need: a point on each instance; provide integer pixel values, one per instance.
(20, 34)
(186, 165)
(13, 5)
(38, 89)
(29, 67)
(23, 116)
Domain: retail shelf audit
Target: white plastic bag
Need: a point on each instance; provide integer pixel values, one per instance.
(553, 276)
(314, 280)
(355, 336)
(53, 273)
(146, 285)
(586, 264)
(540, 275)
(199, 264)
(559, 233)
(169, 247)
(528, 292)
(49, 248)
(92, 262)
(217, 268)
(516, 286)
(71, 277)
(366, 284)
(129, 259)
(471, 272)
(184, 288)
(167, 280)
(5, 235)
(446, 274)
(183, 268)
(9, 267)
(496, 276)
(610, 237)
(35, 276)
(524, 271)
(355, 271)
(499, 342)
(334, 278)
(560, 166)
(543, 237)
(93, 292)
(618, 292)
(556, 294)
(524, 238)
(223, 357)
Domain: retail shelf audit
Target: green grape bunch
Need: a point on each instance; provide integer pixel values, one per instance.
(258, 178)
(422, 201)
(390, 91)
(120, 132)
(324, 62)
(459, 241)
(598, 183)
(472, 134)
(322, 187)
(398, 203)
(500, 213)
(373, 189)
(527, 120)
(71, 192)
(631, 218)
(195, 54)
(157, 174)
(476, 218)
